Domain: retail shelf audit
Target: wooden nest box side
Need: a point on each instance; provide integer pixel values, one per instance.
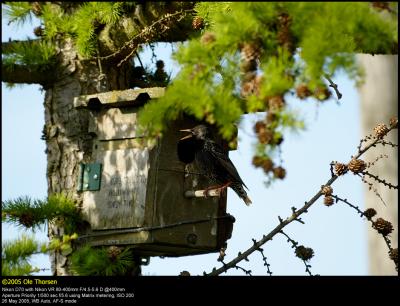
(135, 195)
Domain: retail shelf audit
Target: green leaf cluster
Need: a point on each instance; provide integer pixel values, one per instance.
(80, 24)
(325, 36)
(15, 256)
(98, 262)
(18, 12)
(40, 55)
(29, 213)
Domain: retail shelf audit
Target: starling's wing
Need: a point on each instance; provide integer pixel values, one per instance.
(222, 158)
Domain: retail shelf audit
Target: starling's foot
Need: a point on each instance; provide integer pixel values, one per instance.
(217, 188)
(224, 187)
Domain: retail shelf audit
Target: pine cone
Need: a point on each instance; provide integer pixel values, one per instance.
(271, 117)
(326, 190)
(394, 122)
(38, 31)
(249, 76)
(328, 200)
(382, 226)
(369, 213)
(340, 169)
(302, 91)
(260, 126)
(246, 66)
(381, 130)
(198, 23)
(184, 273)
(248, 89)
(265, 136)
(304, 253)
(279, 172)
(322, 93)
(268, 165)
(249, 52)
(26, 219)
(276, 103)
(357, 165)
(258, 161)
(113, 252)
(36, 8)
(160, 64)
(208, 38)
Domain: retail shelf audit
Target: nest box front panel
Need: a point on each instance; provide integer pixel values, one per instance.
(120, 202)
(196, 219)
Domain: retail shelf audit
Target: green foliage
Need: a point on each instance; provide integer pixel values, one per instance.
(90, 15)
(81, 24)
(64, 245)
(99, 262)
(321, 36)
(18, 12)
(15, 256)
(30, 213)
(209, 10)
(33, 53)
(56, 22)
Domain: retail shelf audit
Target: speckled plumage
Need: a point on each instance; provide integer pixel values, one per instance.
(215, 163)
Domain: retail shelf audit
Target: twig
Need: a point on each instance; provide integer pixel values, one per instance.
(149, 31)
(362, 214)
(370, 164)
(348, 203)
(371, 187)
(294, 245)
(264, 258)
(365, 139)
(334, 86)
(248, 272)
(384, 142)
(376, 178)
(140, 61)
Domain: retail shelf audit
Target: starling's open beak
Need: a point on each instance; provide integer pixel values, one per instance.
(188, 136)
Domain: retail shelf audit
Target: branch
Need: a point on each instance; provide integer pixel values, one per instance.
(376, 178)
(22, 74)
(264, 258)
(295, 216)
(384, 142)
(334, 86)
(369, 213)
(147, 34)
(362, 214)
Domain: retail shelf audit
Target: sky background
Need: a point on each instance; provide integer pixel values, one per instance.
(337, 234)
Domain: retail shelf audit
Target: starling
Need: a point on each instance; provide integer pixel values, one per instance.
(215, 163)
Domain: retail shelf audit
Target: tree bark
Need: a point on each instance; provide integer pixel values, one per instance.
(379, 98)
(66, 130)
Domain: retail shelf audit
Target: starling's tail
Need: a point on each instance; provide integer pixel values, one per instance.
(238, 188)
(247, 200)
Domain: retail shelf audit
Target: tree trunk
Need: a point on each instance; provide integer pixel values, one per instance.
(379, 98)
(66, 129)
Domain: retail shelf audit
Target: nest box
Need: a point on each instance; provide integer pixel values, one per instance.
(146, 198)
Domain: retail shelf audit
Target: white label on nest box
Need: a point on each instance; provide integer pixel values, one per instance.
(120, 202)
